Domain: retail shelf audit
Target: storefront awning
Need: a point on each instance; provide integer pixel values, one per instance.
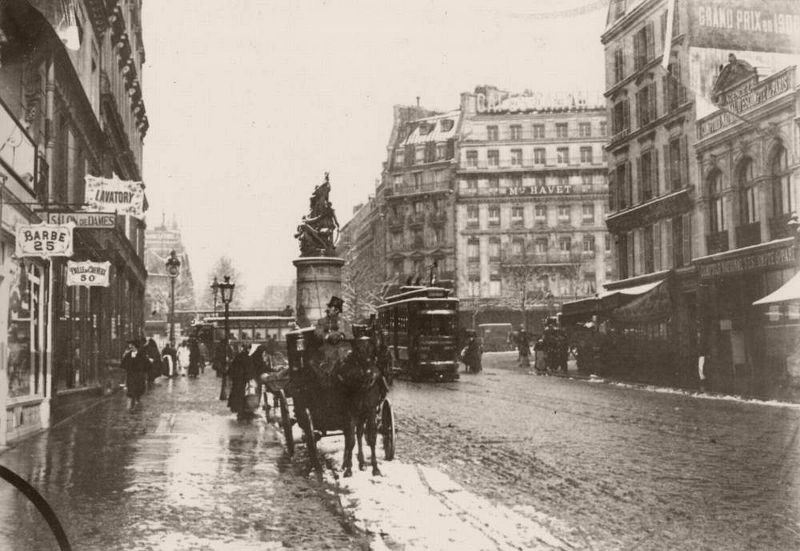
(582, 310)
(789, 291)
(652, 304)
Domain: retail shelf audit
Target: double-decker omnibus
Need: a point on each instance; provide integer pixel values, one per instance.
(420, 327)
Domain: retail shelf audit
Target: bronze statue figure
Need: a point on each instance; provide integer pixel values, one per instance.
(317, 231)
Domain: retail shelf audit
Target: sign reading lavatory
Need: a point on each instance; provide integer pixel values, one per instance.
(44, 240)
(115, 195)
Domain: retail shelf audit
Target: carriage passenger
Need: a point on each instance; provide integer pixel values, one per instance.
(331, 330)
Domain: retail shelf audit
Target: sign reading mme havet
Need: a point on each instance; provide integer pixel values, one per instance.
(753, 25)
(89, 274)
(44, 240)
(115, 195)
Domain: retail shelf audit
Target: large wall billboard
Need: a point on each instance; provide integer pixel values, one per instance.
(752, 25)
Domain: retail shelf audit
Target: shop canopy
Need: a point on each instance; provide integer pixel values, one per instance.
(789, 291)
(581, 310)
(650, 305)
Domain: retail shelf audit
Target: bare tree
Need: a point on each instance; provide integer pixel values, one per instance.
(223, 267)
(364, 289)
(475, 306)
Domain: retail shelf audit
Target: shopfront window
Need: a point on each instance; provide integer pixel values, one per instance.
(24, 330)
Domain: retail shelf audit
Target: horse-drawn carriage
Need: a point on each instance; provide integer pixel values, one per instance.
(335, 389)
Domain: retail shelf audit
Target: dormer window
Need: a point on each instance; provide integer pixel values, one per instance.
(425, 129)
(446, 125)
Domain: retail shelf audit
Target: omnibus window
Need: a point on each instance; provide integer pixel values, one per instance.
(437, 323)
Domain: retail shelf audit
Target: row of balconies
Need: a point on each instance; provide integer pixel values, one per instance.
(534, 190)
(410, 189)
(528, 163)
(538, 225)
(417, 219)
(747, 234)
(549, 258)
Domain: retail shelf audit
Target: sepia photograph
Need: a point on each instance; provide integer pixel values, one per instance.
(419, 275)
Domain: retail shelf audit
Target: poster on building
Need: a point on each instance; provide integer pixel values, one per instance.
(751, 25)
(115, 195)
(88, 274)
(44, 240)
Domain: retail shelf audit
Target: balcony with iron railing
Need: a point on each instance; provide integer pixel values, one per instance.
(401, 190)
(717, 242)
(549, 258)
(396, 222)
(416, 219)
(437, 218)
(748, 234)
(528, 163)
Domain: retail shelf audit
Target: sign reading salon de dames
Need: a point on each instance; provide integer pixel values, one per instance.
(44, 240)
(115, 195)
(753, 25)
(83, 219)
(89, 274)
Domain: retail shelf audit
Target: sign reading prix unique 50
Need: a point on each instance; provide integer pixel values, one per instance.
(90, 274)
(752, 25)
(115, 195)
(44, 240)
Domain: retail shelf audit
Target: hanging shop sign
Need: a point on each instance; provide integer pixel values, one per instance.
(115, 195)
(44, 240)
(89, 274)
(83, 219)
(752, 25)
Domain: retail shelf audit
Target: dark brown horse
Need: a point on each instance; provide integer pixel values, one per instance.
(362, 388)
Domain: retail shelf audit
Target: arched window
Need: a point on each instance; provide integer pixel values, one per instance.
(715, 203)
(748, 193)
(783, 200)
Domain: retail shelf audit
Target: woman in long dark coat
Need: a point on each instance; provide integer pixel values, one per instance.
(194, 358)
(136, 366)
(239, 372)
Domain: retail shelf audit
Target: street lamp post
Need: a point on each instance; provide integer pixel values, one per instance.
(226, 292)
(173, 271)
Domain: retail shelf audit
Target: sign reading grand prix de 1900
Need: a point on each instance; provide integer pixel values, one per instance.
(752, 25)
(115, 195)
(44, 240)
(89, 274)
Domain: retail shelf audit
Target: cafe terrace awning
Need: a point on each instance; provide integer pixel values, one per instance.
(651, 305)
(789, 291)
(605, 302)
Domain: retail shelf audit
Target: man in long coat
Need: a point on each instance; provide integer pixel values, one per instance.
(136, 366)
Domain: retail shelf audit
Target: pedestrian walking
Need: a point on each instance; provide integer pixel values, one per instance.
(524, 347)
(154, 357)
(471, 353)
(238, 372)
(183, 358)
(194, 359)
(219, 359)
(169, 360)
(136, 366)
(539, 357)
(204, 357)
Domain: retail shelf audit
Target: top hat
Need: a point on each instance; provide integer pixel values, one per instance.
(336, 302)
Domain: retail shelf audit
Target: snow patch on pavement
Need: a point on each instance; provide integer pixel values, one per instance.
(416, 507)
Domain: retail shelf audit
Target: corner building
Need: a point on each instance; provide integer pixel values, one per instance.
(530, 204)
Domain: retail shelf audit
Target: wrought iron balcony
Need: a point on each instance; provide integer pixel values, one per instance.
(717, 242)
(748, 234)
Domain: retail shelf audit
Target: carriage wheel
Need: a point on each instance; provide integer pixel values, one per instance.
(311, 439)
(387, 430)
(286, 421)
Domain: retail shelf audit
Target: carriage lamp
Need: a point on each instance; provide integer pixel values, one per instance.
(173, 266)
(226, 293)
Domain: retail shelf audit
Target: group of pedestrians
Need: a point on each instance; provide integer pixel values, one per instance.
(246, 372)
(551, 350)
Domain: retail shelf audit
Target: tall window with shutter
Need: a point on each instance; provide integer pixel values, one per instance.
(646, 110)
(676, 164)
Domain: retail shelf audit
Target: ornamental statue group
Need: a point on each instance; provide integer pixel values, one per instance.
(317, 230)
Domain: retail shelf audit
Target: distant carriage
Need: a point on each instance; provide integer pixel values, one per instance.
(420, 327)
(321, 409)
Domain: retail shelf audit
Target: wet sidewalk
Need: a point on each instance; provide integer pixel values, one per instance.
(178, 473)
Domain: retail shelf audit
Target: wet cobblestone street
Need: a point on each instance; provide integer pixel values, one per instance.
(178, 473)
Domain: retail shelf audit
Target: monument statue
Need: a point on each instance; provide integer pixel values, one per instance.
(318, 230)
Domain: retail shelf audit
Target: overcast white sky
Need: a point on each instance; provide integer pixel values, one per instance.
(251, 101)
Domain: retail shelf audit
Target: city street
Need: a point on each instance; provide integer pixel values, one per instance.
(500, 460)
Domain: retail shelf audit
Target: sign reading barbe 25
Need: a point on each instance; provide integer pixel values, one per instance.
(44, 240)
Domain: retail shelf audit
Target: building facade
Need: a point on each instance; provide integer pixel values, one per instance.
(418, 195)
(530, 204)
(59, 61)
(702, 161)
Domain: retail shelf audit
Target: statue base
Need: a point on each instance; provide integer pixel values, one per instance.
(318, 279)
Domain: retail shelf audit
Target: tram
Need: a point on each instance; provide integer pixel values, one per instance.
(420, 327)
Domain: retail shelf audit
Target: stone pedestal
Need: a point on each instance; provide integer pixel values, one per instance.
(318, 278)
